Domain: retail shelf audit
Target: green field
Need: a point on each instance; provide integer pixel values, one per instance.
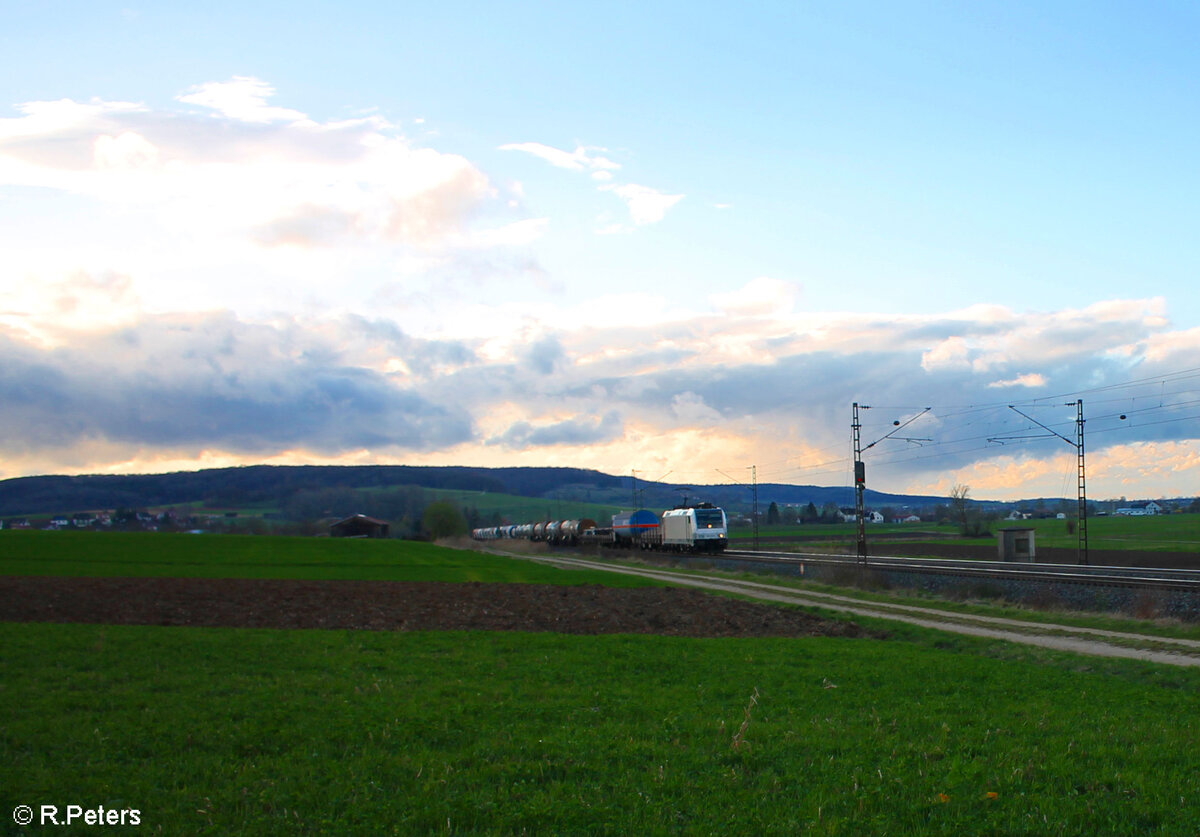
(517, 509)
(218, 731)
(143, 554)
(1167, 532)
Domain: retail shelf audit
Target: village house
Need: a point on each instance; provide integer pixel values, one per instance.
(1140, 509)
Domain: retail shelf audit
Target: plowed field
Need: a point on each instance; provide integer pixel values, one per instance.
(401, 606)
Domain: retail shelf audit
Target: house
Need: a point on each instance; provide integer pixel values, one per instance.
(359, 526)
(1140, 509)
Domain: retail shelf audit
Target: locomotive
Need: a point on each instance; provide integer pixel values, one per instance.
(701, 527)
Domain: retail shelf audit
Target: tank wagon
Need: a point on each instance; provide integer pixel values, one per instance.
(702, 527)
(635, 529)
(565, 532)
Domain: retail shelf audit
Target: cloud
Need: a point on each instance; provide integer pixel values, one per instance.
(646, 205)
(581, 159)
(690, 409)
(576, 431)
(951, 353)
(763, 296)
(251, 170)
(647, 397)
(243, 98)
(211, 381)
(1029, 380)
(545, 355)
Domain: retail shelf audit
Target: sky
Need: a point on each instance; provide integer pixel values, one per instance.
(676, 240)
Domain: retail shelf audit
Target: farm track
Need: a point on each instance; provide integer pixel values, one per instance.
(1080, 640)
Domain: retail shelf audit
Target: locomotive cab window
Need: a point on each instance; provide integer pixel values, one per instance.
(709, 518)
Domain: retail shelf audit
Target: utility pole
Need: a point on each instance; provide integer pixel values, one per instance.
(754, 483)
(1080, 469)
(753, 495)
(860, 479)
(1082, 544)
(860, 470)
(633, 488)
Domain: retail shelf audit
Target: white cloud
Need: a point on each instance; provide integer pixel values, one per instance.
(582, 158)
(763, 296)
(234, 202)
(1028, 380)
(129, 150)
(646, 205)
(951, 353)
(690, 409)
(243, 98)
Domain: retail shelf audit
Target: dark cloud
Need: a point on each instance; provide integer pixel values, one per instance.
(570, 432)
(544, 355)
(215, 382)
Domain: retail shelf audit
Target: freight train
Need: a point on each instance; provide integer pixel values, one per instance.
(702, 527)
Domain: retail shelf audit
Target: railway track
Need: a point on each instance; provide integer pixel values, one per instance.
(1146, 578)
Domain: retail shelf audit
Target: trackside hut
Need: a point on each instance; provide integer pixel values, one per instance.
(359, 526)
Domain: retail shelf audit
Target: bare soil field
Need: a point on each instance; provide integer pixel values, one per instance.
(402, 606)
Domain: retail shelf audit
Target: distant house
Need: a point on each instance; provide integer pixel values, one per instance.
(359, 526)
(1140, 509)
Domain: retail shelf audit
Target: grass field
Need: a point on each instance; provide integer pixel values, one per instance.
(141, 554)
(217, 731)
(517, 509)
(1168, 532)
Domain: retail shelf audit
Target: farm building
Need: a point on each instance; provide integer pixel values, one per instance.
(1140, 509)
(359, 526)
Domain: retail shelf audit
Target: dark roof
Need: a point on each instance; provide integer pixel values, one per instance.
(361, 518)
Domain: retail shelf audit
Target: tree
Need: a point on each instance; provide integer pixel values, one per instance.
(443, 519)
(810, 513)
(960, 503)
(772, 514)
(972, 522)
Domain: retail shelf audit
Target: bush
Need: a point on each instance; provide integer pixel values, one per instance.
(443, 519)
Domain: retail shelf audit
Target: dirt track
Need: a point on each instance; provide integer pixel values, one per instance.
(1083, 640)
(403, 606)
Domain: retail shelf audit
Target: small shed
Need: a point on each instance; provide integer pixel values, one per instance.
(1016, 544)
(359, 526)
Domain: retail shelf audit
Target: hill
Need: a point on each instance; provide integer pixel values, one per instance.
(273, 485)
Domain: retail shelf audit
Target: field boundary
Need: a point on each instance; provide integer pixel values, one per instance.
(1080, 640)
